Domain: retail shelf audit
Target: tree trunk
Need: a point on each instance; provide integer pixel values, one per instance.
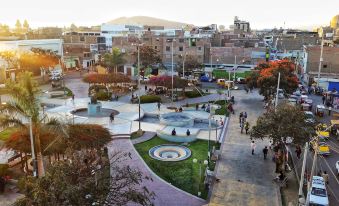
(41, 169)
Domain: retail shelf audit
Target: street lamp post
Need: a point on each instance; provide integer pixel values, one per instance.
(173, 40)
(277, 95)
(139, 108)
(200, 162)
(321, 58)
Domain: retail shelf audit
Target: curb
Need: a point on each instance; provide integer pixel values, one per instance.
(225, 129)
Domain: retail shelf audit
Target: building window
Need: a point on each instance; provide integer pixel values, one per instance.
(82, 38)
(181, 48)
(325, 66)
(181, 40)
(168, 48)
(199, 48)
(155, 47)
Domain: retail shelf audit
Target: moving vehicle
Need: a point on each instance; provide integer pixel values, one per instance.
(317, 195)
(323, 131)
(225, 84)
(281, 94)
(322, 149)
(309, 117)
(320, 109)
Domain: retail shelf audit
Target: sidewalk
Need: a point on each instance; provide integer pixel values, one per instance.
(245, 179)
(166, 194)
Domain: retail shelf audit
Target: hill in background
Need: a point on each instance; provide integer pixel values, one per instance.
(149, 21)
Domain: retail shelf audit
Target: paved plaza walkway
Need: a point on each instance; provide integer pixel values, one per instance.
(166, 194)
(245, 179)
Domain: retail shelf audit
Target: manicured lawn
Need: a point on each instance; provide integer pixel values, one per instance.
(183, 174)
(224, 74)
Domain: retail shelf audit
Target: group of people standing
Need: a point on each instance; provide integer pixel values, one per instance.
(244, 124)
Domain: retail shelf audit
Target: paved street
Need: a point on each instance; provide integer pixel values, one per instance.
(324, 163)
(245, 179)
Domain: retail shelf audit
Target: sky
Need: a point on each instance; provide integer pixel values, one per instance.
(260, 13)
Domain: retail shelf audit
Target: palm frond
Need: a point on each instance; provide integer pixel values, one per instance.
(10, 121)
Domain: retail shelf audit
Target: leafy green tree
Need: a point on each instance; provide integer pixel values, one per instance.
(113, 60)
(148, 56)
(87, 180)
(18, 26)
(286, 122)
(191, 62)
(25, 26)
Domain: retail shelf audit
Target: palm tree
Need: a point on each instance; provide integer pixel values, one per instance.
(24, 105)
(114, 60)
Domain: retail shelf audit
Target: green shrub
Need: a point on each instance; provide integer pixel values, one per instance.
(21, 184)
(103, 96)
(192, 94)
(149, 99)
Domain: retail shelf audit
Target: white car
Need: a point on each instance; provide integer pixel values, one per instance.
(337, 166)
(318, 193)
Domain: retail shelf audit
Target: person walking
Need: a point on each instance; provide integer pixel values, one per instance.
(111, 117)
(329, 110)
(241, 127)
(247, 127)
(73, 98)
(158, 106)
(240, 117)
(265, 151)
(253, 145)
(325, 176)
(245, 115)
(323, 98)
(298, 151)
(230, 108)
(145, 88)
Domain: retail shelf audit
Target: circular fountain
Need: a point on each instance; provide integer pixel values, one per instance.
(170, 153)
(177, 119)
(94, 109)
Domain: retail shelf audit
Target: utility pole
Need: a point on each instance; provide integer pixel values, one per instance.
(277, 94)
(314, 163)
(301, 182)
(235, 67)
(321, 58)
(139, 131)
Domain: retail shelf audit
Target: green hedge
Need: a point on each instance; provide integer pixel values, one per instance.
(103, 96)
(149, 99)
(193, 94)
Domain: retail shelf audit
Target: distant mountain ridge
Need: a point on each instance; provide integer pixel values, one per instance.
(149, 21)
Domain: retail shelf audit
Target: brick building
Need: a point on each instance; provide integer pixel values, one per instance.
(162, 42)
(330, 64)
(81, 49)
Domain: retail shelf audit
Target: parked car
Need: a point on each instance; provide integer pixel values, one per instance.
(241, 80)
(318, 194)
(337, 166)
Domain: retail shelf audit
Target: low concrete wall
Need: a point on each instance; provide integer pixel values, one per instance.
(176, 138)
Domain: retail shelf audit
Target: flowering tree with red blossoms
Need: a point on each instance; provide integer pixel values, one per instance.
(265, 77)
